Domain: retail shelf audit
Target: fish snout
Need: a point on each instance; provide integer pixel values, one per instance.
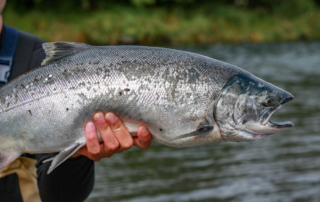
(286, 97)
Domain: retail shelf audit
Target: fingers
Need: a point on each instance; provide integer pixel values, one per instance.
(143, 138)
(110, 144)
(92, 149)
(120, 131)
(115, 136)
(93, 145)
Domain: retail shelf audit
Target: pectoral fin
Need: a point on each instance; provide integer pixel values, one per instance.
(7, 157)
(199, 132)
(63, 155)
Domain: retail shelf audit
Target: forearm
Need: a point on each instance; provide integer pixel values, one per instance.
(73, 180)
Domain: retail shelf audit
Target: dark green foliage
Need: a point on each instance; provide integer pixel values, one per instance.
(286, 7)
(169, 22)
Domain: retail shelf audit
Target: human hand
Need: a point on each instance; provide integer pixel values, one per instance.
(115, 136)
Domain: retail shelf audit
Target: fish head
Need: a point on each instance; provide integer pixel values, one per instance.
(245, 106)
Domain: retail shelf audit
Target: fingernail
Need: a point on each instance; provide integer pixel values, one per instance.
(90, 127)
(111, 118)
(99, 117)
(143, 131)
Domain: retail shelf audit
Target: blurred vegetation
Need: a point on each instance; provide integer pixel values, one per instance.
(166, 22)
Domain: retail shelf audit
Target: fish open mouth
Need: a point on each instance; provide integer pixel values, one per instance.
(276, 125)
(265, 127)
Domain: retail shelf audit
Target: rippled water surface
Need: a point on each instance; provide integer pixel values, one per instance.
(283, 167)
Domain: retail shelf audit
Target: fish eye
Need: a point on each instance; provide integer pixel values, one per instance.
(269, 101)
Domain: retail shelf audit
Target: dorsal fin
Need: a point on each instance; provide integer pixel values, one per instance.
(58, 50)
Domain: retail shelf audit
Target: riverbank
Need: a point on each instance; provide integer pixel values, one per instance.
(159, 26)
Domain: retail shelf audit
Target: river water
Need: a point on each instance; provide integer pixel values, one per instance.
(283, 167)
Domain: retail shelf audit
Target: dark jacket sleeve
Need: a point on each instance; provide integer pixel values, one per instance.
(73, 180)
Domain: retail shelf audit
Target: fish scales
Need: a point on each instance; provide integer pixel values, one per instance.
(171, 92)
(154, 76)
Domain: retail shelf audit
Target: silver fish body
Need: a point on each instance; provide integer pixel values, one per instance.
(177, 95)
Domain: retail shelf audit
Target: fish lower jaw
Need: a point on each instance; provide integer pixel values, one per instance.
(257, 129)
(251, 136)
(280, 125)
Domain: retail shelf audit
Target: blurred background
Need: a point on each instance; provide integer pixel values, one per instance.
(274, 40)
(166, 22)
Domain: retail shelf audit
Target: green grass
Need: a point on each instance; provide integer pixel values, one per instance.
(159, 26)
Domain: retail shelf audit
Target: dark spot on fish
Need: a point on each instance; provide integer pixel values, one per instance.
(96, 62)
(127, 89)
(65, 74)
(82, 84)
(120, 93)
(36, 80)
(244, 121)
(82, 98)
(98, 71)
(78, 70)
(67, 109)
(160, 129)
(3, 100)
(30, 112)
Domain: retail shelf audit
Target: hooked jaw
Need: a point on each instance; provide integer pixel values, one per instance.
(265, 127)
(286, 98)
(246, 106)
